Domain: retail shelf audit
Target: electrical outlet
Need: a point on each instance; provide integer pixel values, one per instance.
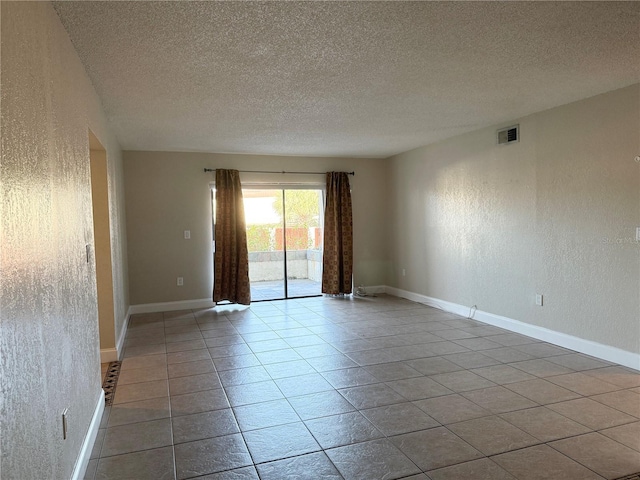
(65, 426)
(539, 299)
(180, 281)
(404, 272)
(187, 234)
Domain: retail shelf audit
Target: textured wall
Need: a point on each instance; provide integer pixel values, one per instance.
(477, 223)
(167, 193)
(49, 356)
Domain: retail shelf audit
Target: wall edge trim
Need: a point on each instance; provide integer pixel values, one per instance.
(123, 334)
(84, 455)
(588, 347)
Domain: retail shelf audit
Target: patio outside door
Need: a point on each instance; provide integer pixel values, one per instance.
(284, 236)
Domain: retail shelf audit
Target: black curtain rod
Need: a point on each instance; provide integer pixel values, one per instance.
(206, 170)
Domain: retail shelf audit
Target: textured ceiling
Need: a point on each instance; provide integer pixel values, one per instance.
(341, 78)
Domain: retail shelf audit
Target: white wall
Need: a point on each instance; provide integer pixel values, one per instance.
(556, 213)
(168, 192)
(49, 323)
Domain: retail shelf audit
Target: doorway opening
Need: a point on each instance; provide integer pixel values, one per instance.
(284, 238)
(102, 249)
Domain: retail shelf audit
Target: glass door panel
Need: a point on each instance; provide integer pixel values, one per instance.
(265, 241)
(303, 216)
(284, 237)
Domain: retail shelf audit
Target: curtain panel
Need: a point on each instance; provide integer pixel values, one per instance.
(337, 262)
(231, 258)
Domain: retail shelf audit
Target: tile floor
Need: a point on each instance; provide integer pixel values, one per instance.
(364, 388)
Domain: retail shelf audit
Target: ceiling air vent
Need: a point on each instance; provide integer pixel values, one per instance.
(509, 135)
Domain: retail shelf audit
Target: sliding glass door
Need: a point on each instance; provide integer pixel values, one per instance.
(284, 236)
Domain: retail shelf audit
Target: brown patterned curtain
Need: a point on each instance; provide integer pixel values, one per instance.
(337, 259)
(231, 259)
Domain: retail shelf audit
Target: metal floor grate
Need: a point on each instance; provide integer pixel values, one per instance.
(110, 382)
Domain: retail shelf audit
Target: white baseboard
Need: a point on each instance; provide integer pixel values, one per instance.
(123, 334)
(375, 289)
(588, 347)
(90, 438)
(171, 306)
(108, 355)
(114, 354)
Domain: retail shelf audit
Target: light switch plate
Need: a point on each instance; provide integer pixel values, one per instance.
(538, 299)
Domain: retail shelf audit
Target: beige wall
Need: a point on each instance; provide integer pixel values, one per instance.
(555, 214)
(168, 193)
(48, 325)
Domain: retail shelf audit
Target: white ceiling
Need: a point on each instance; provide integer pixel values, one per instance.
(341, 78)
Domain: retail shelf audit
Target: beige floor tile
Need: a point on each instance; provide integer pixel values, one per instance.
(418, 388)
(428, 366)
(601, 454)
(544, 424)
(190, 368)
(265, 414)
(499, 399)
(462, 381)
(451, 409)
(471, 360)
(138, 375)
(243, 473)
(303, 385)
(198, 426)
(371, 396)
(542, 350)
(583, 384)
(578, 361)
(253, 393)
(241, 376)
(623, 400)
(211, 455)
(155, 464)
(141, 411)
(492, 435)
(198, 402)
(194, 383)
(591, 413)
(628, 435)
(136, 437)
(385, 372)
(503, 374)
(343, 429)
(312, 465)
(543, 463)
(507, 354)
(399, 418)
(435, 448)
(541, 368)
(620, 376)
(377, 459)
(482, 469)
(188, 356)
(282, 441)
(320, 405)
(542, 391)
(141, 391)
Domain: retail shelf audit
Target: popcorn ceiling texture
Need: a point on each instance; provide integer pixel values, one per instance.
(49, 348)
(341, 78)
